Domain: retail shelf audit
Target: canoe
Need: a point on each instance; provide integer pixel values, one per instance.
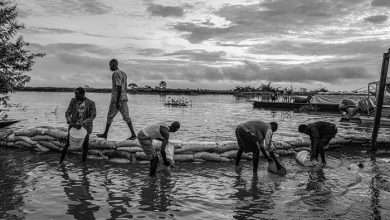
(5, 123)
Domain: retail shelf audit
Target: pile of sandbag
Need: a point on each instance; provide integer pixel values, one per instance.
(44, 139)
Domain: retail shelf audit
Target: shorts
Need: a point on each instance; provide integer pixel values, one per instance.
(123, 109)
(246, 142)
(147, 145)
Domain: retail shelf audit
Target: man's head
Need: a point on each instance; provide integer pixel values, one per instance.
(302, 128)
(79, 94)
(274, 126)
(113, 64)
(174, 126)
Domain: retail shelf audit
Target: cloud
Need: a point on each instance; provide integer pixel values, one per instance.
(277, 17)
(165, 11)
(380, 3)
(376, 19)
(72, 49)
(74, 7)
(196, 33)
(150, 52)
(198, 55)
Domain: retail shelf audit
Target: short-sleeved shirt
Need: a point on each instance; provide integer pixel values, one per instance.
(153, 131)
(261, 130)
(119, 78)
(322, 129)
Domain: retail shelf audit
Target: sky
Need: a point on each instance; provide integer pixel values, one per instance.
(213, 44)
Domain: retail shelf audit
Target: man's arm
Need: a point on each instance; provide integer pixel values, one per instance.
(92, 114)
(165, 134)
(68, 113)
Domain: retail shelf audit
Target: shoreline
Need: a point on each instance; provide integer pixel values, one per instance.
(132, 91)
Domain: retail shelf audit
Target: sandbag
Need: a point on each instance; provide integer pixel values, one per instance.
(140, 155)
(95, 152)
(11, 138)
(41, 148)
(193, 147)
(127, 143)
(117, 154)
(101, 144)
(96, 157)
(210, 157)
(184, 157)
(230, 154)
(23, 144)
(25, 139)
(42, 138)
(130, 149)
(57, 133)
(10, 144)
(119, 160)
(31, 132)
(50, 145)
(226, 146)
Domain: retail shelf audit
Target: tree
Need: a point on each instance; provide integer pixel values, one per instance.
(133, 86)
(163, 85)
(15, 59)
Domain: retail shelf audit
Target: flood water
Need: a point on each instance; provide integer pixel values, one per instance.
(34, 186)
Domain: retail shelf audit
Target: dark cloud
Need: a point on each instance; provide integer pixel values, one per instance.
(72, 49)
(165, 11)
(44, 30)
(92, 7)
(198, 55)
(368, 47)
(376, 19)
(196, 33)
(381, 3)
(277, 17)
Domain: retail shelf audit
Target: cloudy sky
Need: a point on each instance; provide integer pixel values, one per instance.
(337, 44)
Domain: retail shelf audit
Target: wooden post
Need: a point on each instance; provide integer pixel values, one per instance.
(379, 102)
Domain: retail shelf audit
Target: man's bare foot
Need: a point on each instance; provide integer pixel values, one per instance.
(133, 137)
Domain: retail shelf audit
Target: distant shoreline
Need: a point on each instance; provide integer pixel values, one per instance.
(133, 91)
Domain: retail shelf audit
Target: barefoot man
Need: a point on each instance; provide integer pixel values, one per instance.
(158, 131)
(320, 132)
(255, 136)
(118, 99)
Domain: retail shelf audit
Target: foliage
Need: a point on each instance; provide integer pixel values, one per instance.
(163, 85)
(15, 59)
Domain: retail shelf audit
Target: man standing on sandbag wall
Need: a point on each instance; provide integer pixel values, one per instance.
(255, 136)
(158, 131)
(320, 132)
(118, 99)
(80, 113)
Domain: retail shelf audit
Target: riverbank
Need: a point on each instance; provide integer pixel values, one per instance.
(133, 91)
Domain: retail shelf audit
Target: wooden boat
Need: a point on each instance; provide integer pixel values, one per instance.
(6, 122)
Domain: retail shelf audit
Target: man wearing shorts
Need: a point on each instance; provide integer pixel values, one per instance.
(320, 133)
(158, 131)
(255, 136)
(118, 99)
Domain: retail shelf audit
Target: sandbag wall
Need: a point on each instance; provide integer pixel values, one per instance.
(45, 139)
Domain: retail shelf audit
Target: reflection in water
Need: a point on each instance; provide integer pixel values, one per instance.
(374, 191)
(156, 195)
(253, 201)
(78, 192)
(11, 179)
